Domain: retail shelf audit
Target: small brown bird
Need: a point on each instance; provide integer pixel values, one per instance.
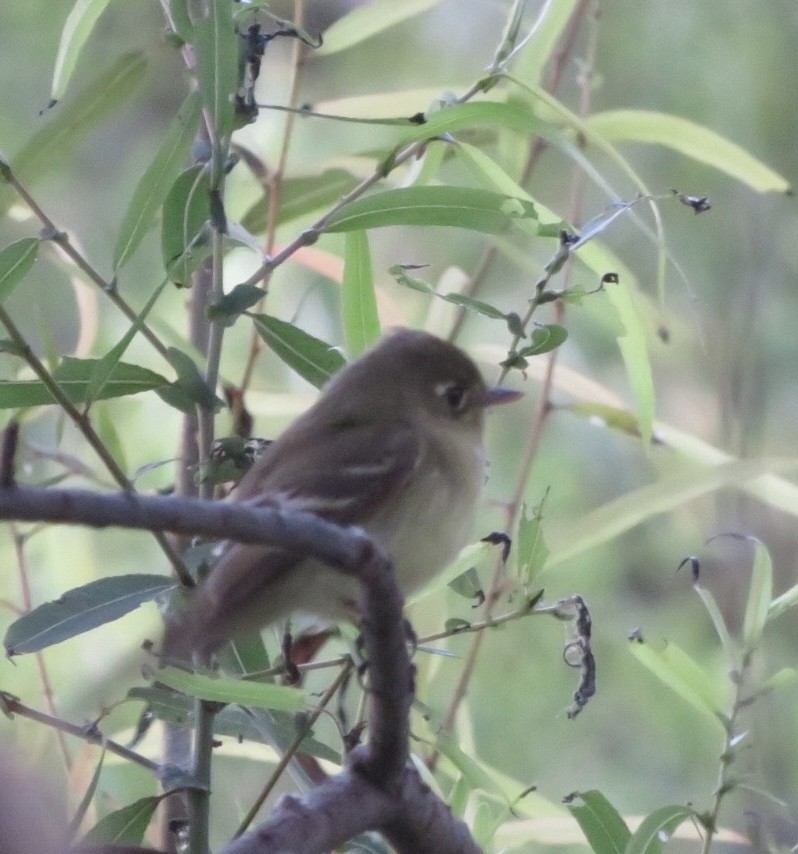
(393, 445)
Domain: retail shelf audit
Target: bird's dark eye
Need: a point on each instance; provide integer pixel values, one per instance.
(454, 395)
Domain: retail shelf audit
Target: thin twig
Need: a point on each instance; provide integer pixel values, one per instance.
(83, 424)
(61, 239)
(292, 749)
(512, 508)
(12, 706)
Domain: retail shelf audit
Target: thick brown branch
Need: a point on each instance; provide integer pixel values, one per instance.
(377, 790)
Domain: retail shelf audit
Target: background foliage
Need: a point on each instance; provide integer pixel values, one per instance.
(715, 320)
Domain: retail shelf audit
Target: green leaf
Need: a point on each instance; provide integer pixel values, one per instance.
(615, 517)
(691, 140)
(231, 306)
(674, 667)
(782, 603)
(82, 609)
(74, 376)
(16, 261)
(544, 339)
(186, 210)
(601, 823)
(301, 196)
(358, 302)
(125, 826)
(178, 13)
(783, 678)
(366, 21)
(105, 367)
(532, 550)
(190, 383)
(399, 272)
(461, 207)
(634, 351)
(549, 28)
(216, 49)
(313, 359)
(716, 615)
(77, 29)
(154, 185)
(760, 595)
(648, 837)
(47, 148)
(264, 695)
(473, 773)
(85, 801)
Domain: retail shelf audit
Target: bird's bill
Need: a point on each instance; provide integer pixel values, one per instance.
(494, 395)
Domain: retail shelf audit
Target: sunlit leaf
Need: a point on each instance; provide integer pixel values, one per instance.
(265, 695)
(82, 609)
(760, 595)
(601, 823)
(462, 207)
(691, 140)
(16, 261)
(566, 540)
(367, 20)
(358, 302)
(532, 550)
(716, 615)
(674, 667)
(313, 359)
(216, 50)
(154, 185)
(77, 29)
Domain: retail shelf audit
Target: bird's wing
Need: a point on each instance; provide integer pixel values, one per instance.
(345, 478)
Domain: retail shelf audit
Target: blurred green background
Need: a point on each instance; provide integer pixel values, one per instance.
(728, 375)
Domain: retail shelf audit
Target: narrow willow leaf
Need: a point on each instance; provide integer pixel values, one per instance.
(88, 795)
(674, 667)
(301, 196)
(657, 828)
(82, 609)
(548, 29)
(366, 21)
(532, 550)
(760, 595)
(313, 359)
(358, 302)
(216, 49)
(74, 377)
(77, 29)
(186, 210)
(634, 351)
(614, 518)
(607, 416)
(473, 773)
(125, 826)
(264, 695)
(787, 600)
(461, 207)
(544, 339)
(786, 677)
(601, 823)
(16, 261)
(472, 555)
(47, 148)
(105, 367)
(715, 614)
(691, 140)
(154, 185)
